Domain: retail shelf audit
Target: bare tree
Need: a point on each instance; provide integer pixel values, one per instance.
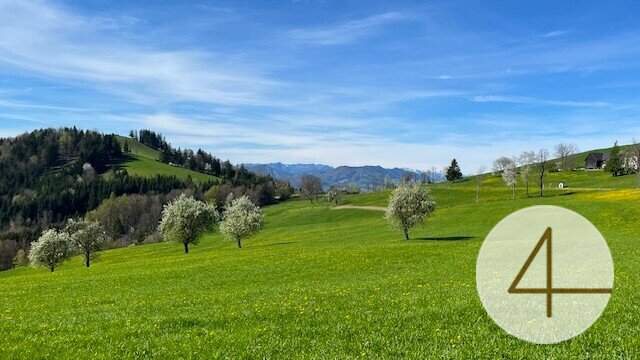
(542, 167)
(334, 195)
(526, 160)
(633, 158)
(501, 163)
(563, 152)
(408, 178)
(432, 175)
(311, 187)
(510, 177)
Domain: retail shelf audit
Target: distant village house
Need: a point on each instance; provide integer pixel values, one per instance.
(596, 160)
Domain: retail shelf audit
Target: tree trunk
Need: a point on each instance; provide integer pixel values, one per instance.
(406, 233)
(52, 267)
(526, 182)
(513, 192)
(239, 243)
(87, 258)
(186, 247)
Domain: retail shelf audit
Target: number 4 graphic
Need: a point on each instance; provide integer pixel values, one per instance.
(549, 290)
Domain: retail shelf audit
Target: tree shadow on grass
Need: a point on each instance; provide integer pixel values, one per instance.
(443, 238)
(567, 193)
(120, 162)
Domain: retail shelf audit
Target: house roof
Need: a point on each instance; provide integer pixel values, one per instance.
(597, 156)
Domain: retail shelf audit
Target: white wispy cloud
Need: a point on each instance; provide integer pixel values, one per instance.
(266, 142)
(477, 143)
(39, 106)
(536, 101)
(487, 57)
(49, 40)
(263, 100)
(555, 33)
(346, 32)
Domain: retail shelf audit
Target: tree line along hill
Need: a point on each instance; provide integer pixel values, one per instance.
(50, 175)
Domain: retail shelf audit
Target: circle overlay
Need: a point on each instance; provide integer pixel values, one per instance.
(544, 274)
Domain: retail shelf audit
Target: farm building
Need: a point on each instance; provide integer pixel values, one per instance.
(596, 160)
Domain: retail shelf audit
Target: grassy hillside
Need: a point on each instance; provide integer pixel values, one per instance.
(579, 158)
(138, 148)
(143, 166)
(143, 161)
(318, 282)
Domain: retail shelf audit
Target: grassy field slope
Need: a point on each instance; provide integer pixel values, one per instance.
(143, 166)
(138, 148)
(317, 283)
(579, 158)
(144, 161)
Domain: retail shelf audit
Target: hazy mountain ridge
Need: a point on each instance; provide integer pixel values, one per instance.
(365, 177)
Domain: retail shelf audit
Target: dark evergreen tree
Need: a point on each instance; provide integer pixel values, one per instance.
(453, 171)
(614, 164)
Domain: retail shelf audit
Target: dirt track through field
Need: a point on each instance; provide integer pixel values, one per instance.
(371, 208)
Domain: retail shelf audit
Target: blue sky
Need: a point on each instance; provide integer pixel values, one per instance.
(406, 84)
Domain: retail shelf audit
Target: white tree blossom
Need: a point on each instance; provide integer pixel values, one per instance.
(500, 164)
(526, 160)
(88, 237)
(241, 219)
(510, 176)
(51, 249)
(409, 205)
(185, 219)
(333, 196)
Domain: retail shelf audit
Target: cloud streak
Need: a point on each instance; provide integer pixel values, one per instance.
(346, 32)
(536, 101)
(255, 89)
(53, 42)
(555, 33)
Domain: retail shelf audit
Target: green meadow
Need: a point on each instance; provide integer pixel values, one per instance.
(146, 167)
(320, 282)
(143, 161)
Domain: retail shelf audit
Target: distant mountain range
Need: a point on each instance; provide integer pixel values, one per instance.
(364, 177)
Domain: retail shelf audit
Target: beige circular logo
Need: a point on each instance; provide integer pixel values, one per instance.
(544, 274)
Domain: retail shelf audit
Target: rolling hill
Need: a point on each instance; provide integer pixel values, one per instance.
(139, 149)
(579, 158)
(364, 177)
(320, 280)
(144, 161)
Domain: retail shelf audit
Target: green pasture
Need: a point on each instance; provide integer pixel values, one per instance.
(319, 283)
